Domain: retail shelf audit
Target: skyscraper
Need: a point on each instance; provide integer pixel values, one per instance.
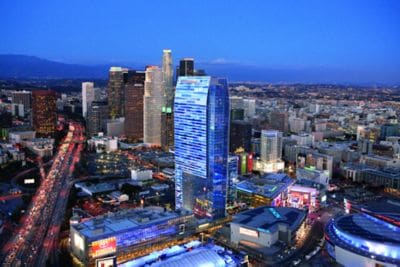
(167, 124)
(116, 92)
(153, 103)
(201, 123)
(44, 112)
(87, 96)
(96, 117)
(271, 145)
(134, 91)
(186, 67)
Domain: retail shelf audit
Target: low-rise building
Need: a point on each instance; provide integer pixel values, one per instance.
(265, 226)
(133, 229)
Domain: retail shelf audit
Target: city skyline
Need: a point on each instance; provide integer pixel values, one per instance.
(332, 42)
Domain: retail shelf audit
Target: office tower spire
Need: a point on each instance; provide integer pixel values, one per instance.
(167, 136)
(201, 123)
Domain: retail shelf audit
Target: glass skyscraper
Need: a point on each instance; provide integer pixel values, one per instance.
(201, 130)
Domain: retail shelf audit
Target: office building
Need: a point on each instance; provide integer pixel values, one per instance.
(116, 93)
(388, 130)
(279, 121)
(115, 127)
(87, 96)
(186, 67)
(201, 145)
(153, 103)
(97, 118)
(271, 145)
(22, 97)
(44, 112)
(240, 136)
(134, 94)
(167, 121)
(249, 106)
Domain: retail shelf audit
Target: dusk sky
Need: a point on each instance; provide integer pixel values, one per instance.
(359, 36)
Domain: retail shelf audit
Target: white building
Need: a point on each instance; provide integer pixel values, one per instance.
(271, 145)
(303, 139)
(18, 137)
(249, 108)
(153, 103)
(88, 96)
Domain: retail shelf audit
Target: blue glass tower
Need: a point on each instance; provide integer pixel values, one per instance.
(201, 127)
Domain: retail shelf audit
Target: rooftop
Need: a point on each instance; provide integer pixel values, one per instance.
(122, 221)
(270, 185)
(268, 218)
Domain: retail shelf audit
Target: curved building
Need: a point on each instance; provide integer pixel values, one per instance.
(201, 128)
(364, 239)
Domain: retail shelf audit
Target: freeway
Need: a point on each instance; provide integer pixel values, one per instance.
(35, 238)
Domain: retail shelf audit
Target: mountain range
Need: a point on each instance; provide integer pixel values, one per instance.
(31, 67)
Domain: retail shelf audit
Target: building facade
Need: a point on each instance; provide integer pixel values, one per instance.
(167, 121)
(201, 145)
(271, 145)
(134, 91)
(96, 118)
(87, 96)
(116, 92)
(44, 112)
(153, 103)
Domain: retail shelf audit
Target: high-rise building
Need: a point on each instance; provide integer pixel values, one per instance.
(44, 112)
(134, 93)
(279, 121)
(153, 103)
(186, 67)
(167, 122)
(249, 108)
(201, 145)
(22, 97)
(117, 76)
(271, 145)
(240, 136)
(96, 118)
(87, 96)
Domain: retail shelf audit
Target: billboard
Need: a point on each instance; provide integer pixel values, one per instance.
(248, 232)
(103, 247)
(106, 262)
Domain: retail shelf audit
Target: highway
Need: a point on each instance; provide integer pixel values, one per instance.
(37, 235)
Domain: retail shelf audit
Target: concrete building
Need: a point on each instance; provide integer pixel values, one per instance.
(265, 226)
(153, 103)
(88, 97)
(134, 93)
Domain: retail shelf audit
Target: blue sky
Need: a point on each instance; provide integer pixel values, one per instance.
(357, 36)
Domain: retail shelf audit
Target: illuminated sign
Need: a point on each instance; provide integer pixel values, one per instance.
(103, 247)
(29, 181)
(245, 231)
(106, 262)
